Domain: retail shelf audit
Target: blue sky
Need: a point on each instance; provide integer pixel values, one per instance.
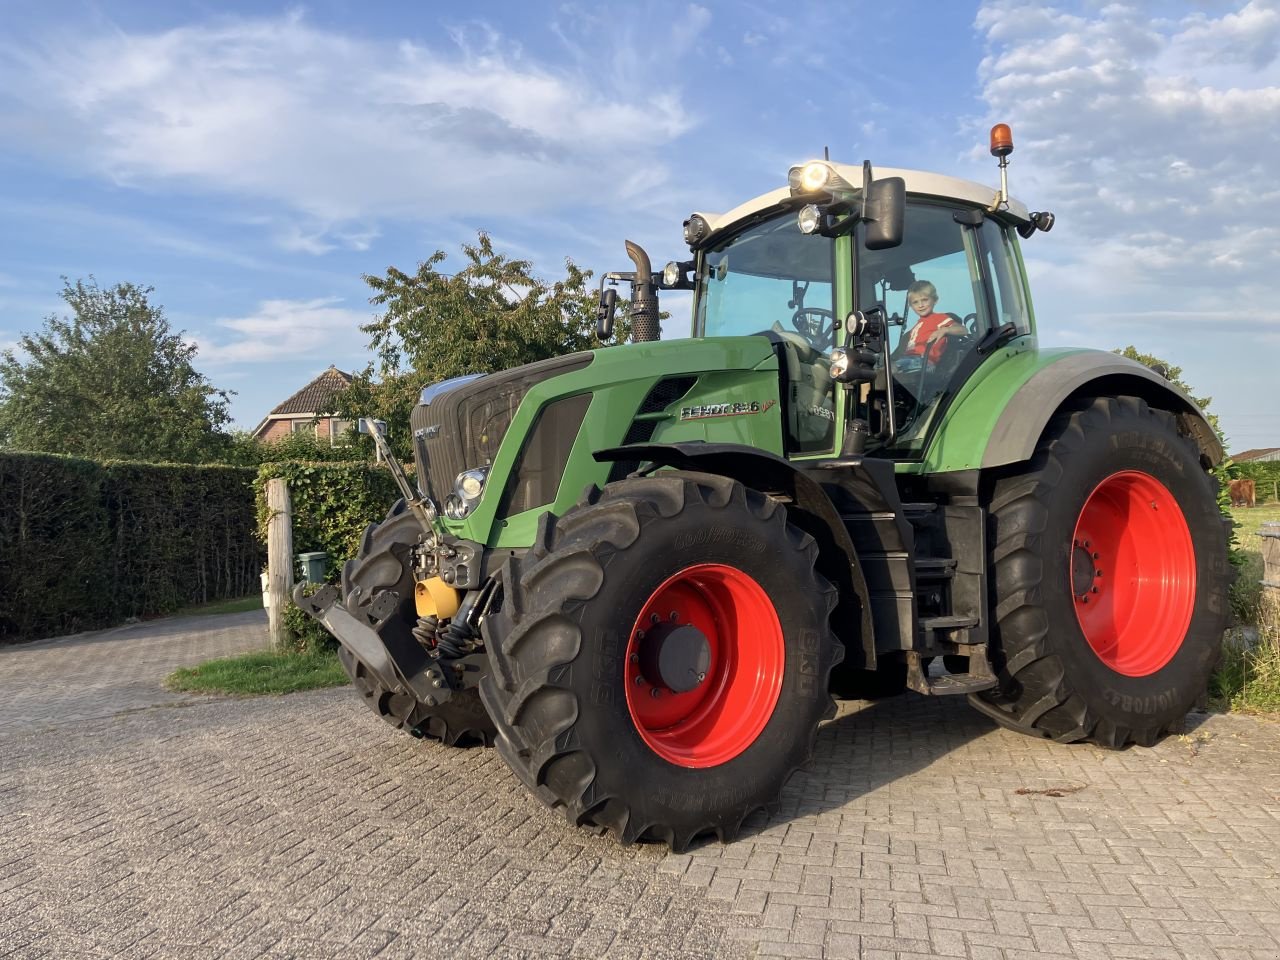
(252, 162)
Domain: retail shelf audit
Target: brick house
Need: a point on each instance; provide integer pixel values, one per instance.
(1258, 455)
(299, 413)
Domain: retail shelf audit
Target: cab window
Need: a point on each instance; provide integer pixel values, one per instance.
(772, 280)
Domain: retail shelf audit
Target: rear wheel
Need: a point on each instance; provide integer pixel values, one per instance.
(660, 662)
(1110, 579)
(383, 563)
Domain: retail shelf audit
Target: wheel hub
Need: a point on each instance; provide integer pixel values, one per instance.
(1084, 572)
(675, 656)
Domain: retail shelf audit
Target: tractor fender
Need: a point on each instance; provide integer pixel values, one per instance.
(813, 512)
(1091, 373)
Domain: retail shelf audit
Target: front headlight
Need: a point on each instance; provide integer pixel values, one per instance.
(470, 483)
(839, 362)
(810, 218)
(467, 487)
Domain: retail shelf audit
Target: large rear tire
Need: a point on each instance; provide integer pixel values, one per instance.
(660, 662)
(1110, 578)
(383, 563)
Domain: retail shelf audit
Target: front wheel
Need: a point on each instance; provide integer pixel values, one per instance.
(1110, 578)
(660, 662)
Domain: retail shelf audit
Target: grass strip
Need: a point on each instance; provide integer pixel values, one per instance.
(261, 672)
(239, 605)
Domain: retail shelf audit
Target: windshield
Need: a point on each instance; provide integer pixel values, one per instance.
(768, 277)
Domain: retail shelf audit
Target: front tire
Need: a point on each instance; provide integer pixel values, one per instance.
(1110, 578)
(660, 662)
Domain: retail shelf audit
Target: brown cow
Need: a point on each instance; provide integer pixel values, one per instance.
(1242, 493)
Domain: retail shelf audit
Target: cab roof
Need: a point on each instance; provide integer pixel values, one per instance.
(919, 183)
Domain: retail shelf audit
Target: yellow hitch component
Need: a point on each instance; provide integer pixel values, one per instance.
(435, 598)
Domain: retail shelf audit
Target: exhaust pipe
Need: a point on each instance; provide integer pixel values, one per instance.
(645, 322)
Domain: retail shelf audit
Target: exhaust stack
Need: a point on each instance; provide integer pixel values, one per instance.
(645, 323)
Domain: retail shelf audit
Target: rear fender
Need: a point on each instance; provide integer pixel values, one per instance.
(1090, 374)
(809, 508)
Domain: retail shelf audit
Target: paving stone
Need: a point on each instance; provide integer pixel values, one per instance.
(142, 823)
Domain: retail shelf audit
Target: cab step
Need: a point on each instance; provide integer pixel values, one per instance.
(980, 677)
(947, 623)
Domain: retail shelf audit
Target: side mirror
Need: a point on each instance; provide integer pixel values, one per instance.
(604, 313)
(885, 211)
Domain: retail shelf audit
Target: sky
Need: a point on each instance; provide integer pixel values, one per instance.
(253, 162)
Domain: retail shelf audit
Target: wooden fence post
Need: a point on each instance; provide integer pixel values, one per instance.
(279, 559)
(1270, 534)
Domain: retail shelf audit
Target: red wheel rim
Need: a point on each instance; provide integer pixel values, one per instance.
(1133, 573)
(725, 713)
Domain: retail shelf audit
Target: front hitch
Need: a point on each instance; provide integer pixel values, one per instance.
(430, 684)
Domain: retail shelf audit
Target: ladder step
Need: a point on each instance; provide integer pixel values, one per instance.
(936, 568)
(980, 677)
(953, 684)
(948, 623)
(913, 510)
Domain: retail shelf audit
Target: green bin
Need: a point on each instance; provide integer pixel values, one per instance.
(311, 567)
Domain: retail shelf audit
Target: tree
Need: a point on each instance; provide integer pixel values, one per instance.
(1174, 375)
(490, 315)
(111, 381)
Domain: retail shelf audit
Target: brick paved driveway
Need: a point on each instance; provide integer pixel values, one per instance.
(301, 826)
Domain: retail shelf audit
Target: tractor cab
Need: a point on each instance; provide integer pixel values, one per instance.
(907, 292)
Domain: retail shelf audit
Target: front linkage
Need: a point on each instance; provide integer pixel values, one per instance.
(443, 661)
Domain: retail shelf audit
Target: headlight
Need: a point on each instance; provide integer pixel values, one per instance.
(696, 229)
(839, 362)
(808, 177)
(809, 219)
(470, 483)
(671, 274)
(454, 508)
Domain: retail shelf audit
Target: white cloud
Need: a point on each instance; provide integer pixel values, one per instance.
(293, 329)
(1157, 153)
(342, 131)
(1156, 142)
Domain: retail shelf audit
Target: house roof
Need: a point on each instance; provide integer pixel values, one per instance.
(1257, 453)
(315, 394)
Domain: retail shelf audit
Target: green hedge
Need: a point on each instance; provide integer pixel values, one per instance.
(332, 504)
(86, 544)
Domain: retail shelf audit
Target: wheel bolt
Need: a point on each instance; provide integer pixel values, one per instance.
(1096, 555)
(1097, 574)
(1093, 589)
(639, 680)
(639, 634)
(635, 658)
(654, 618)
(655, 693)
(674, 618)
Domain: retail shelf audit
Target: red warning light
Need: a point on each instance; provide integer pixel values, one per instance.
(1001, 140)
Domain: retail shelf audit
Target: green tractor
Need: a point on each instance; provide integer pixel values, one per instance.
(644, 571)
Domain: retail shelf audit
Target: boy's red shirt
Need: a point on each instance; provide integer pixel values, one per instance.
(920, 333)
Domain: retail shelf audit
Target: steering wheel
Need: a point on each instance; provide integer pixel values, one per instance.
(969, 322)
(815, 324)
